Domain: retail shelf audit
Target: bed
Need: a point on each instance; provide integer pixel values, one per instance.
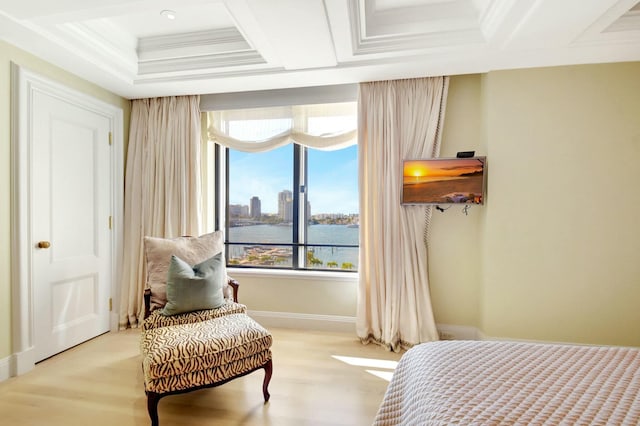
(512, 383)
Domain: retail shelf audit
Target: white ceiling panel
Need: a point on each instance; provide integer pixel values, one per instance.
(189, 18)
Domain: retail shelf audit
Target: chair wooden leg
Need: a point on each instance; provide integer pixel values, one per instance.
(152, 407)
(268, 370)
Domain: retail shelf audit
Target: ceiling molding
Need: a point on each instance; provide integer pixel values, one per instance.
(237, 45)
(630, 21)
(613, 28)
(216, 40)
(118, 47)
(361, 15)
(215, 61)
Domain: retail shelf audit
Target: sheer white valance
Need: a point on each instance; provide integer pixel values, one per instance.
(325, 127)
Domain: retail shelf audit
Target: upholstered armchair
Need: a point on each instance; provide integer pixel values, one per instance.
(195, 333)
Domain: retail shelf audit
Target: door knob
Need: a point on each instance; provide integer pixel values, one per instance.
(44, 244)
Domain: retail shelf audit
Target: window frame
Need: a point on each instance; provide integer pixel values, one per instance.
(299, 242)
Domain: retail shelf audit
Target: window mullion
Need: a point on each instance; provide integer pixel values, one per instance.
(216, 175)
(227, 199)
(302, 207)
(296, 207)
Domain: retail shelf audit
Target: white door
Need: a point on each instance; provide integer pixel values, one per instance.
(70, 216)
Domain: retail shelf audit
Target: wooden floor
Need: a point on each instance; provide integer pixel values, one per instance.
(100, 383)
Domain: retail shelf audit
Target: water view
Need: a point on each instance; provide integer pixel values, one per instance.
(341, 258)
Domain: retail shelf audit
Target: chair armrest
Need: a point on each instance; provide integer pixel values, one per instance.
(235, 285)
(147, 302)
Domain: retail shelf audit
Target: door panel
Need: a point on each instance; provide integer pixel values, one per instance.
(73, 189)
(70, 209)
(72, 301)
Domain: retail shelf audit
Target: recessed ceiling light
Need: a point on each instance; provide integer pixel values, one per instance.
(169, 14)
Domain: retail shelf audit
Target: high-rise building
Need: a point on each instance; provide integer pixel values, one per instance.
(285, 205)
(288, 211)
(255, 208)
(238, 210)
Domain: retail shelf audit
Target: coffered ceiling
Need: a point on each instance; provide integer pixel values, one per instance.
(215, 46)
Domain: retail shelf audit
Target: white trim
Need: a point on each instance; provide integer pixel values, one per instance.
(220, 40)
(458, 332)
(23, 84)
(117, 208)
(213, 61)
(21, 306)
(5, 369)
(22, 362)
(483, 336)
(291, 274)
(318, 322)
(346, 324)
(113, 319)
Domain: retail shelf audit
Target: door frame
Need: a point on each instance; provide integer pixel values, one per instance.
(24, 83)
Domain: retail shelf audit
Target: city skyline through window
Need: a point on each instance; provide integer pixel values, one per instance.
(327, 236)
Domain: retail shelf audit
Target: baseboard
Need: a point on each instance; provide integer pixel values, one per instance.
(5, 368)
(317, 322)
(458, 332)
(346, 324)
(113, 322)
(16, 364)
(22, 362)
(483, 336)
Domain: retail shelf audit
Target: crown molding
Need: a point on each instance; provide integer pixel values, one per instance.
(403, 43)
(217, 40)
(630, 21)
(232, 59)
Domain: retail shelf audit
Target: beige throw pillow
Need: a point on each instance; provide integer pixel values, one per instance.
(193, 250)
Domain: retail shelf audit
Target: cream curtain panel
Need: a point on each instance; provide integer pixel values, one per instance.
(397, 120)
(162, 187)
(263, 129)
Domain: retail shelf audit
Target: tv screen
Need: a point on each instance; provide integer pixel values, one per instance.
(444, 181)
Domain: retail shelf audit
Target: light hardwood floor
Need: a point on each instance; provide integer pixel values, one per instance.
(100, 383)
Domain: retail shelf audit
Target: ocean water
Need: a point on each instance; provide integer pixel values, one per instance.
(317, 234)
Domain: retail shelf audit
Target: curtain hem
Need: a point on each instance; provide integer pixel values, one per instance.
(395, 346)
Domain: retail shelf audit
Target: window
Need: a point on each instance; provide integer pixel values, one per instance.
(290, 205)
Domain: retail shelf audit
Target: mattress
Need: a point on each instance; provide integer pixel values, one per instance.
(511, 383)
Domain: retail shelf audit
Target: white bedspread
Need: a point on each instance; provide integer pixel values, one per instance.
(508, 383)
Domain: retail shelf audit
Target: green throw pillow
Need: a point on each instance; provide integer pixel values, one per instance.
(194, 288)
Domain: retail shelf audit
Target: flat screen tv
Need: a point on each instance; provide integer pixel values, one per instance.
(444, 181)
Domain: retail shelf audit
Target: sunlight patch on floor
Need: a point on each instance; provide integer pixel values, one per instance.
(378, 364)
(384, 375)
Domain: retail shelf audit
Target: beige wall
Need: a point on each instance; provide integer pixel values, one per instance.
(555, 253)
(329, 295)
(454, 254)
(561, 240)
(10, 54)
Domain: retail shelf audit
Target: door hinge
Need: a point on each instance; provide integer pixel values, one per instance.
(110, 304)
(110, 222)
(110, 138)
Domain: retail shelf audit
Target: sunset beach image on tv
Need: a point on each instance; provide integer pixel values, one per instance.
(443, 181)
